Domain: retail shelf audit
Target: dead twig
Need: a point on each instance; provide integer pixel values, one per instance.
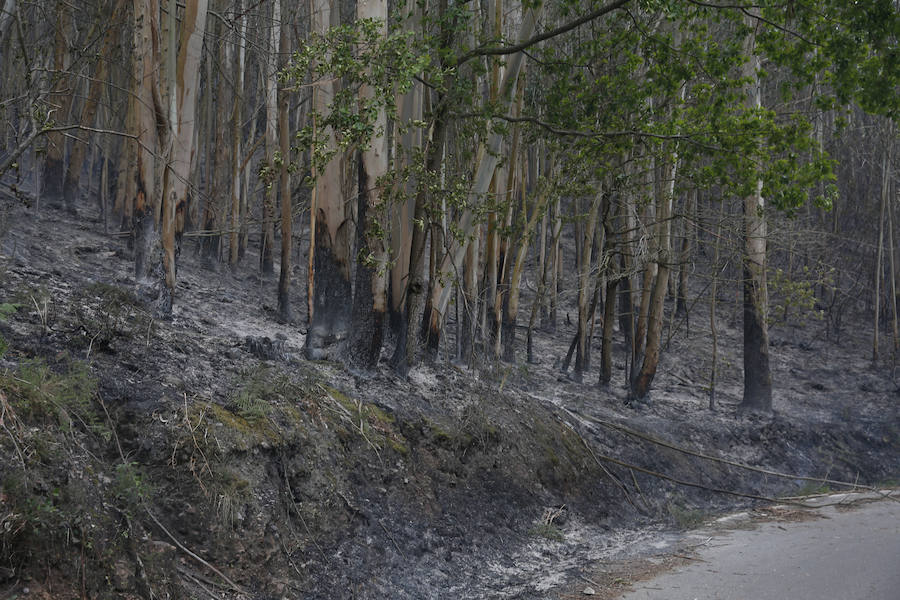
(199, 583)
(235, 587)
(390, 537)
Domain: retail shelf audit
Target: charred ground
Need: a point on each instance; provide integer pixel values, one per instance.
(201, 456)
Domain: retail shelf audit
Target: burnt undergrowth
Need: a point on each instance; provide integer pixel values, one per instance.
(202, 456)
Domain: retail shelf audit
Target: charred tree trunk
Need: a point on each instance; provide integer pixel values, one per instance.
(61, 100)
(370, 300)
(757, 374)
(330, 289)
(285, 314)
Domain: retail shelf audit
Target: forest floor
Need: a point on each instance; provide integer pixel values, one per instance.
(202, 456)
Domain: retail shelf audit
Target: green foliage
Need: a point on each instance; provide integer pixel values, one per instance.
(40, 394)
(7, 309)
(548, 531)
(130, 486)
(796, 295)
(360, 55)
(260, 388)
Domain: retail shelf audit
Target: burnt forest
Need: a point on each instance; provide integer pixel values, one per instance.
(370, 299)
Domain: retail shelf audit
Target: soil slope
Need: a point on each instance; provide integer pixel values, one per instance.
(202, 456)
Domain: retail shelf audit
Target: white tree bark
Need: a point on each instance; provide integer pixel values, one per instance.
(488, 157)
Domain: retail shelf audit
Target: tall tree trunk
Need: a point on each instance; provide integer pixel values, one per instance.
(757, 374)
(549, 324)
(879, 262)
(237, 135)
(640, 388)
(60, 99)
(470, 299)
(681, 307)
(713, 298)
(486, 164)
(893, 271)
(408, 137)
(183, 80)
(588, 228)
(213, 206)
(330, 274)
(512, 305)
(609, 305)
(267, 243)
(370, 300)
(148, 131)
(284, 280)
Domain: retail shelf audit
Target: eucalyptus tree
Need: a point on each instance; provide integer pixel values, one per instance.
(366, 67)
(165, 90)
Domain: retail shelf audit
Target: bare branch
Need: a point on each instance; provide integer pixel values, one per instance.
(503, 50)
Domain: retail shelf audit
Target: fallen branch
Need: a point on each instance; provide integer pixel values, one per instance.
(671, 446)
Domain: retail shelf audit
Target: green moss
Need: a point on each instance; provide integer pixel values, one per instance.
(438, 433)
(398, 446)
(360, 420)
(250, 432)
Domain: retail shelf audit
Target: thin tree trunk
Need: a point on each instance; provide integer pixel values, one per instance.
(641, 387)
(584, 273)
(237, 135)
(713, 297)
(486, 163)
(879, 268)
(60, 99)
(285, 314)
(681, 307)
(893, 268)
(512, 305)
(549, 324)
(609, 318)
(267, 241)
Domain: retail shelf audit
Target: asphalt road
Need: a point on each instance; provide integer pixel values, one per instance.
(846, 555)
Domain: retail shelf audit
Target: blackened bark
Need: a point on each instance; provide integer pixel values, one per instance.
(330, 298)
(757, 375)
(267, 237)
(568, 360)
(366, 321)
(287, 224)
(609, 316)
(508, 333)
(53, 182)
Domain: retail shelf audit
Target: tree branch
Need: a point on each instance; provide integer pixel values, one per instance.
(503, 50)
(747, 9)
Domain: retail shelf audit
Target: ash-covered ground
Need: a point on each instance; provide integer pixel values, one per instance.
(202, 456)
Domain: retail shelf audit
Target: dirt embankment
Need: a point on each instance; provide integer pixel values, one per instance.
(200, 456)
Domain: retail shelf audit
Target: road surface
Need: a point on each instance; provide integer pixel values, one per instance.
(844, 555)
